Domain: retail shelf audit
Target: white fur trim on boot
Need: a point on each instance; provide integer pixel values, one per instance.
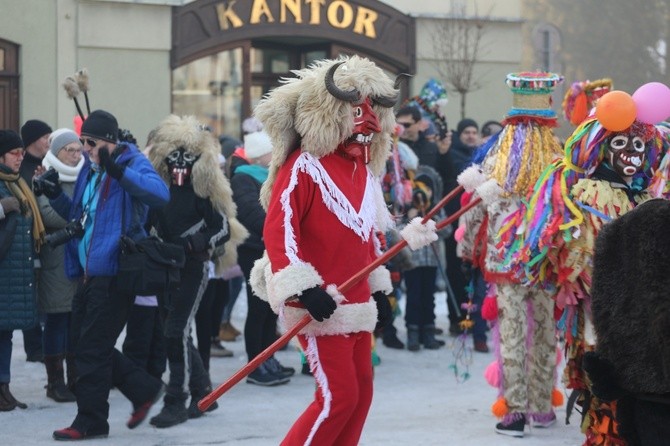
(419, 235)
(291, 281)
(380, 280)
(471, 177)
(489, 191)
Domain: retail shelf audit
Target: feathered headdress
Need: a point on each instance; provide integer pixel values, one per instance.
(312, 111)
(207, 178)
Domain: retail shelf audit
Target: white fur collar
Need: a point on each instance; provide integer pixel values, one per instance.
(66, 174)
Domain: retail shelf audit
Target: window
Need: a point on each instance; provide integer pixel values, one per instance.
(211, 89)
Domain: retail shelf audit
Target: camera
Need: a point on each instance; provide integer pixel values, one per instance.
(48, 180)
(74, 229)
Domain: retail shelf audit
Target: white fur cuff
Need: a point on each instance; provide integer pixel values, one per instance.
(290, 281)
(419, 235)
(380, 280)
(347, 318)
(257, 277)
(471, 177)
(489, 191)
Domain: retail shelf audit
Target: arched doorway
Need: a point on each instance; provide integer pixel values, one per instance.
(226, 55)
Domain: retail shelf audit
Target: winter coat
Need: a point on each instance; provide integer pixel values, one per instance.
(18, 309)
(246, 193)
(139, 187)
(55, 290)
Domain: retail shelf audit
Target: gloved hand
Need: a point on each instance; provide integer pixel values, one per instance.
(318, 303)
(195, 246)
(113, 169)
(10, 204)
(384, 310)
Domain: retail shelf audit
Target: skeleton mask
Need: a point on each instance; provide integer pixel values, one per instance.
(366, 124)
(626, 153)
(180, 164)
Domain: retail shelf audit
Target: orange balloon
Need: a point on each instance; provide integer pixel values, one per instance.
(616, 110)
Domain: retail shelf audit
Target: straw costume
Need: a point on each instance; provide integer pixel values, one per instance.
(507, 165)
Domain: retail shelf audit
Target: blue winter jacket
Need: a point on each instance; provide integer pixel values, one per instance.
(140, 187)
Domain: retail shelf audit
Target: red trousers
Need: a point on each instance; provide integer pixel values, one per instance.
(342, 367)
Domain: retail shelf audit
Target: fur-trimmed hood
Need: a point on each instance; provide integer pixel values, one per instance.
(631, 297)
(207, 178)
(302, 113)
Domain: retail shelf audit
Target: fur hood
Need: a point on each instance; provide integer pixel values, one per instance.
(207, 178)
(302, 113)
(630, 297)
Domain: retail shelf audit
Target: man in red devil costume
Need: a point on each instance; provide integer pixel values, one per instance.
(330, 127)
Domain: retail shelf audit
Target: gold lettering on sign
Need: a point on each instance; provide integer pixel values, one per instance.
(259, 8)
(227, 15)
(365, 22)
(294, 7)
(315, 11)
(333, 13)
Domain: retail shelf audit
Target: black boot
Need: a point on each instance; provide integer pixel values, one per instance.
(56, 388)
(173, 411)
(413, 343)
(6, 406)
(6, 395)
(428, 338)
(71, 372)
(200, 387)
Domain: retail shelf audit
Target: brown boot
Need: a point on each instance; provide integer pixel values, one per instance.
(56, 388)
(228, 333)
(6, 406)
(7, 396)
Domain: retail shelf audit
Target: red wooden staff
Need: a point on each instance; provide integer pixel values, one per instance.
(208, 400)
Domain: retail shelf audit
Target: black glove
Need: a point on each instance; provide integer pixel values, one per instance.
(51, 190)
(195, 246)
(10, 204)
(113, 170)
(384, 310)
(318, 302)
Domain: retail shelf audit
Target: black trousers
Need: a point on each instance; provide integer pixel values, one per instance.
(98, 317)
(178, 309)
(144, 343)
(260, 328)
(208, 317)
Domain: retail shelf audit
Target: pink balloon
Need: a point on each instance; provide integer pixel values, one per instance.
(652, 101)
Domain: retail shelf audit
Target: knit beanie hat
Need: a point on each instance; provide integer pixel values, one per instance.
(101, 125)
(64, 137)
(257, 144)
(465, 123)
(33, 130)
(9, 140)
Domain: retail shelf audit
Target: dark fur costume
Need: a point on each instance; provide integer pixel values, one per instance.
(631, 315)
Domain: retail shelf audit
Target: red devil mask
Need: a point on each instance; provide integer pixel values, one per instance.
(366, 124)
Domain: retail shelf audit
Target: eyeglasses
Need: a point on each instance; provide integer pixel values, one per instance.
(91, 142)
(16, 152)
(72, 150)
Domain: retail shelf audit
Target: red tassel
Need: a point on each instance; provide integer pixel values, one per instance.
(579, 109)
(490, 308)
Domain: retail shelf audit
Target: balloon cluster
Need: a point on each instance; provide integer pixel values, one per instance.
(650, 104)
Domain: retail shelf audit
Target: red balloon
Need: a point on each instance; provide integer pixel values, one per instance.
(616, 111)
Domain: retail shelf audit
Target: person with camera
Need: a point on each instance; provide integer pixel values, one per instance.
(55, 290)
(113, 190)
(21, 236)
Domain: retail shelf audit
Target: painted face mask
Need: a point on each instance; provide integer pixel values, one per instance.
(626, 153)
(366, 124)
(180, 164)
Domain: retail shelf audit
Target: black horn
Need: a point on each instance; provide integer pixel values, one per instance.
(347, 96)
(390, 101)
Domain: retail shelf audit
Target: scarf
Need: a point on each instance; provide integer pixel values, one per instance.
(605, 172)
(256, 171)
(66, 174)
(29, 209)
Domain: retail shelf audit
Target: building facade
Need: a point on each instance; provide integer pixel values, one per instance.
(216, 58)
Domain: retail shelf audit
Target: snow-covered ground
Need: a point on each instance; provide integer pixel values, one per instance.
(418, 401)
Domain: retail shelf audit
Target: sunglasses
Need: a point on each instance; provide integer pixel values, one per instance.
(91, 142)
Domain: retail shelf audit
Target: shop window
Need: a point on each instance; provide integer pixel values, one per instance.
(268, 60)
(211, 89)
